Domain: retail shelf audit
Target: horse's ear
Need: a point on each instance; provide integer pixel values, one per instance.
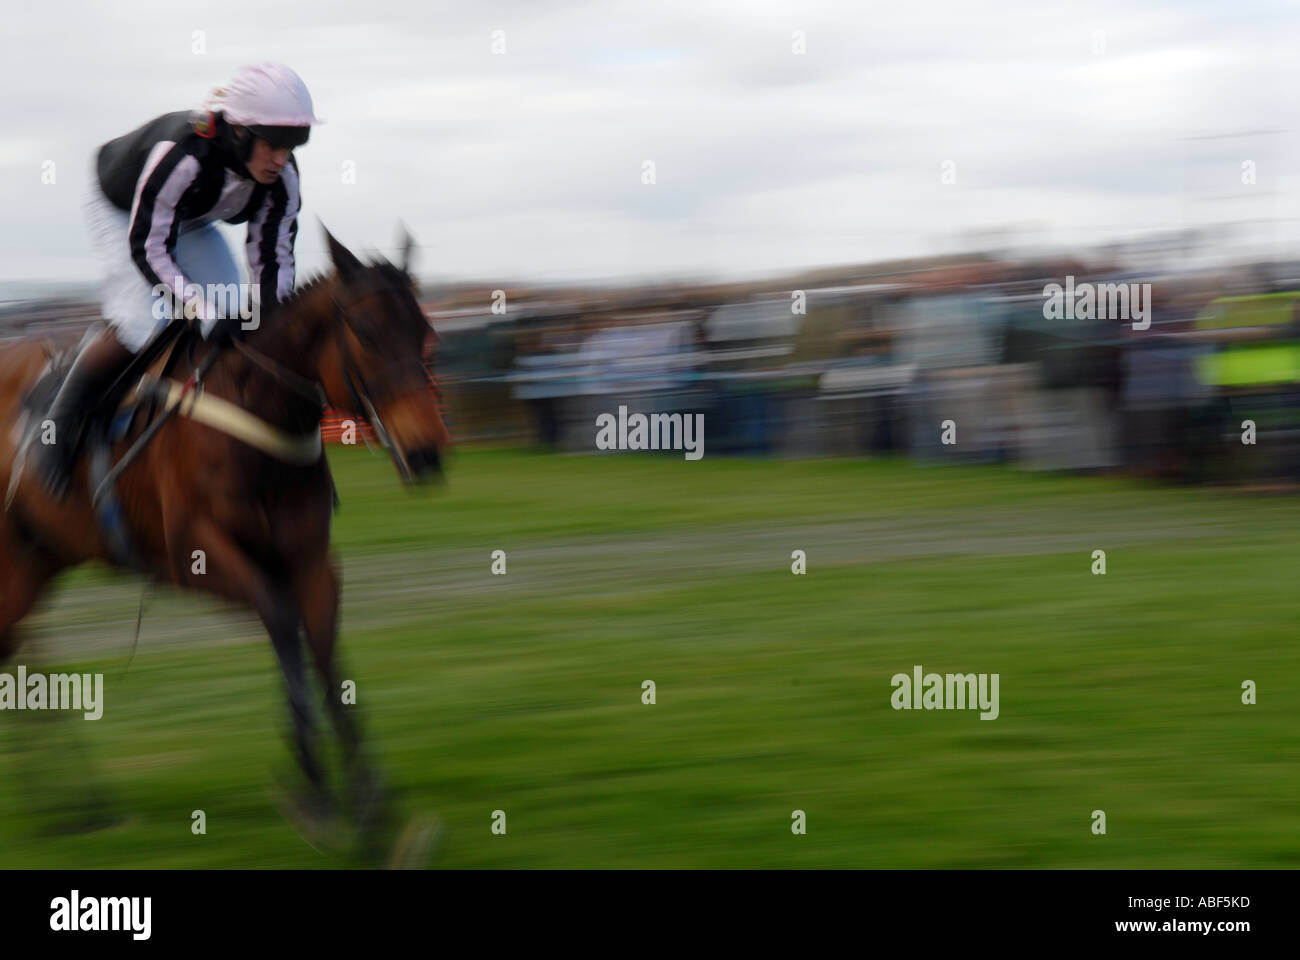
(347, 265)
(405, 244)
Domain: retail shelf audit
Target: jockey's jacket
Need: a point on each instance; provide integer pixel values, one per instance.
(165, 175)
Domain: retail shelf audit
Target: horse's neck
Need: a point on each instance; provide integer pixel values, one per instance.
(294, 336)
(292, 341)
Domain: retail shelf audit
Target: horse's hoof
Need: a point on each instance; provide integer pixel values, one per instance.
(311, 815)
(418, 844)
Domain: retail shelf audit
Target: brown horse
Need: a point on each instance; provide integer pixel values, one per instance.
(353, 338)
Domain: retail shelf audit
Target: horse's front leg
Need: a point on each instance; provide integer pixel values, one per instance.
(229, 572)
(316, 593)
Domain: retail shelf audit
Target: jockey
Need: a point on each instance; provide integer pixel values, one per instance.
(152, 201)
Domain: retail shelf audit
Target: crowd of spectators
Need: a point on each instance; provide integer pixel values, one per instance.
(941, 361)
(878, 366)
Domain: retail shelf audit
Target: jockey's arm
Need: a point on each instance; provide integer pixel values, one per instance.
(171, 171)
(272, 232)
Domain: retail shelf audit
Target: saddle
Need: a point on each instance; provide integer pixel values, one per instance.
(122, 410)
(135, 406)
(120, 400)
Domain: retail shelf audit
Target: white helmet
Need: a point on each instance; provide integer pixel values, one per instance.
(271, 100)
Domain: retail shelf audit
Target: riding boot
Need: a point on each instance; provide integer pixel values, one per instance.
(95, 368)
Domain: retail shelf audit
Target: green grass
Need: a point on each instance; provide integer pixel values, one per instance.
(523, 693)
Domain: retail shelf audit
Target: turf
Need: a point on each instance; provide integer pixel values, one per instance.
(523, 693)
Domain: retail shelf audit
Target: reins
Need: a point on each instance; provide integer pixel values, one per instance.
(309, 389)
(230, 418)
(361, 397)
(352, 378)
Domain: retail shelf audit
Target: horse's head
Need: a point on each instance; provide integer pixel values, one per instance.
(376, 368)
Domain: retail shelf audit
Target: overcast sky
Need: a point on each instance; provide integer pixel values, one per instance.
(1071, 120)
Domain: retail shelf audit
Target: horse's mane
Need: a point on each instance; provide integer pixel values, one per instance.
(385, 270)
(379, 272)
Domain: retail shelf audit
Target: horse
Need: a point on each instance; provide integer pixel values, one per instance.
(352, 339)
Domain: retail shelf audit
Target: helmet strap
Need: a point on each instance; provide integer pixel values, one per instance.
(239, 147)
(243, 144)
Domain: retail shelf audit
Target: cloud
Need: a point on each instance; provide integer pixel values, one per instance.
(529, 164)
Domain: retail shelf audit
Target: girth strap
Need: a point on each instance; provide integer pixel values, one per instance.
(230, 419)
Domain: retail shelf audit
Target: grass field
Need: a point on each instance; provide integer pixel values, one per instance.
(523, 692)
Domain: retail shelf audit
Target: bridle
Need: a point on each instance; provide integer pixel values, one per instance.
(361, 395)
(352, 377)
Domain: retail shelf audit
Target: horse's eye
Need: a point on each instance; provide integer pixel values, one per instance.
(365, 335)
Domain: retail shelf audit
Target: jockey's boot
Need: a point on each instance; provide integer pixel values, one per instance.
(98, 363)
